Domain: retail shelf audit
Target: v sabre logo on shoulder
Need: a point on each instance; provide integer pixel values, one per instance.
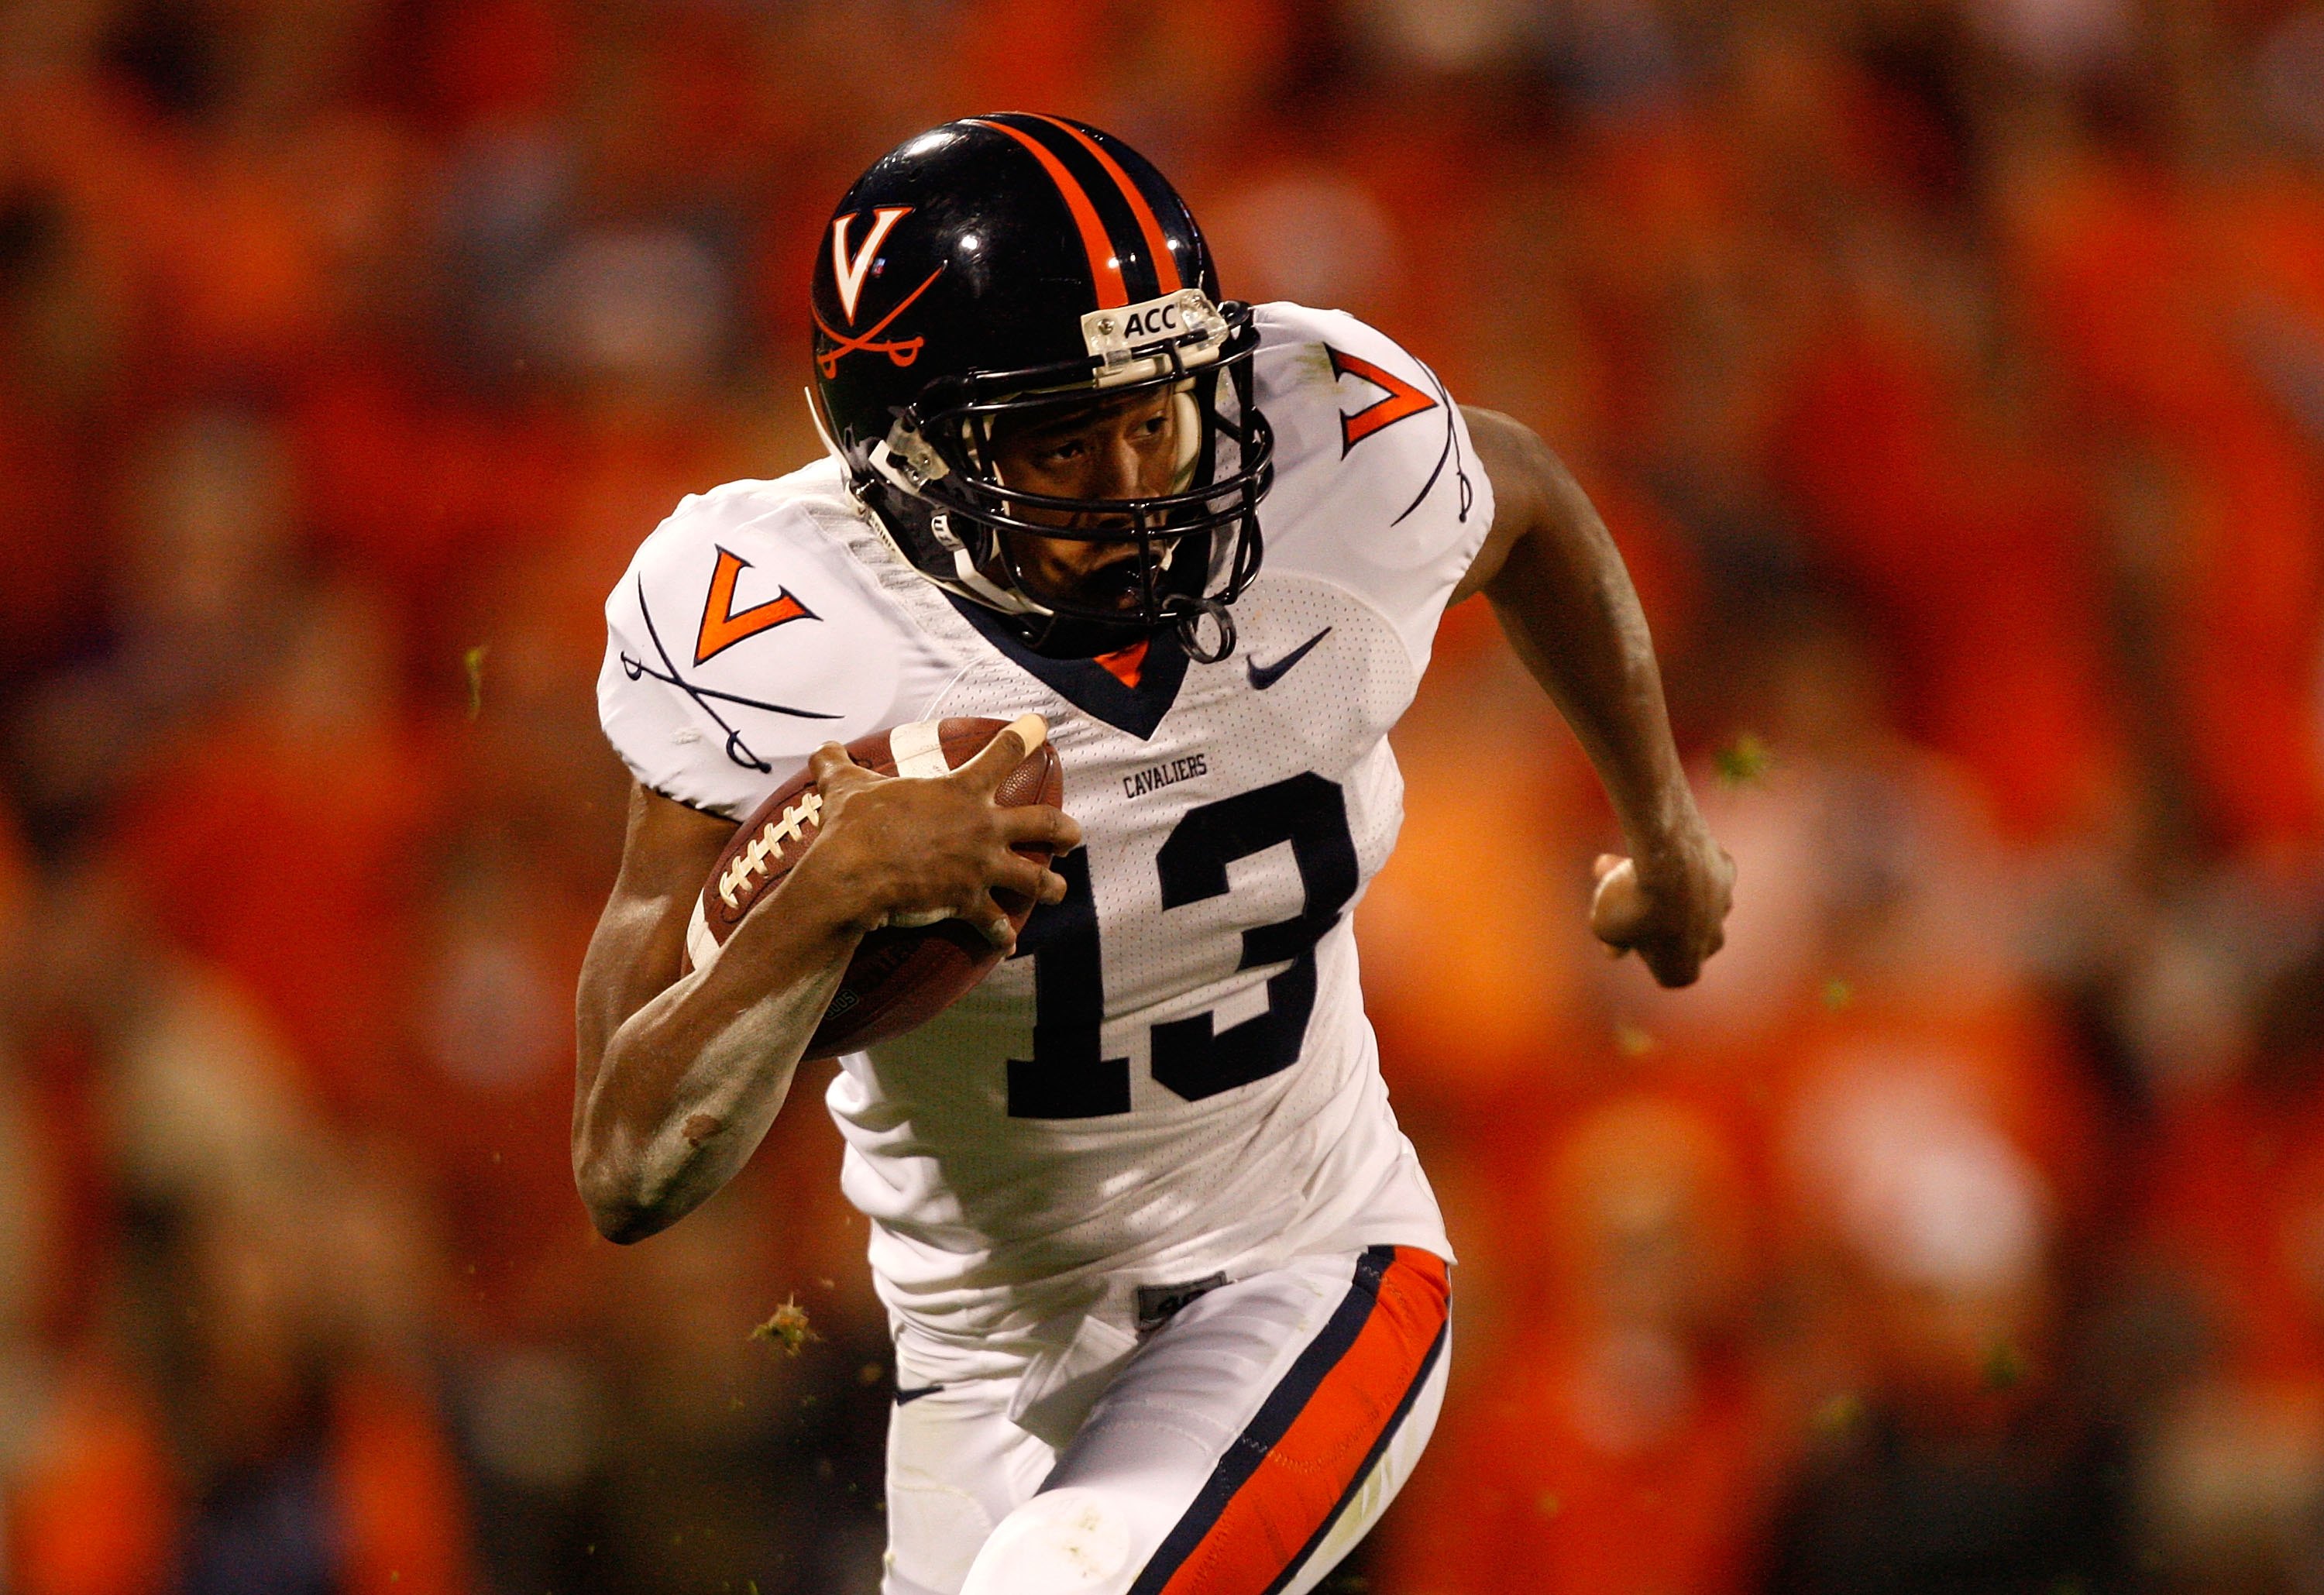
(723, 625)
(721, 628)
(1403, 403)
(1403, 400)
(1263, 677)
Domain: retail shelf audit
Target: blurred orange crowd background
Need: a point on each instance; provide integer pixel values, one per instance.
(1952, 373)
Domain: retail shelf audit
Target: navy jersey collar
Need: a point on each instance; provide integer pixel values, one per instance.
(1089, 685)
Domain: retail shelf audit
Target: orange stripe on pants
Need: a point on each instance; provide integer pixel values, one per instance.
(1300, 1484)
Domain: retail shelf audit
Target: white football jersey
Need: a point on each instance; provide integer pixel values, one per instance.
(1174, 1078)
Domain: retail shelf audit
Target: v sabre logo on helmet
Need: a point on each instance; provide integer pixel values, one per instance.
(851, 273)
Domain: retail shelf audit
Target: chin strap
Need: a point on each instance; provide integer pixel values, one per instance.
(1190, 632)
(971, 582)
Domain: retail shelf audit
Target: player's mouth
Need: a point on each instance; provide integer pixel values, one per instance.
(1116, 587)
(1052, 570)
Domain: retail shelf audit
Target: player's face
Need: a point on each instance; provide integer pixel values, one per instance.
(1113, 448)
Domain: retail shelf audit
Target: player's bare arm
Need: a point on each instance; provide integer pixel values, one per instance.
(1556, 581)
(680, 1077)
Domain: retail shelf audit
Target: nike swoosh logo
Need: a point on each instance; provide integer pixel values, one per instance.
(1263, 677)
(906, 1397)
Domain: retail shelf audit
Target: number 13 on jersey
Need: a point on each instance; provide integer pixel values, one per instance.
(1068, 1076)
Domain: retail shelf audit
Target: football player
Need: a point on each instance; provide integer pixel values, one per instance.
(1167, 1286)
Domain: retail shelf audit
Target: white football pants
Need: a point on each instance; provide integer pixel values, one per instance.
(1243, 1449)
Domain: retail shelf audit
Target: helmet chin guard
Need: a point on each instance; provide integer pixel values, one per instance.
(1190, 631)
(1008, 269)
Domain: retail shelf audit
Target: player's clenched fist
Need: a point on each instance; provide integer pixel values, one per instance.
(912, 850)
(1671, 911)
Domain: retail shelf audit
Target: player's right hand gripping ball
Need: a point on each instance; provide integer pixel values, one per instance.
(903, 976)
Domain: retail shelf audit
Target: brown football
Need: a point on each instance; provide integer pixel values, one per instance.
(906, 974)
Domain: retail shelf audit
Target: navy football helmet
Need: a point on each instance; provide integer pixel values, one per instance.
(1009, 267)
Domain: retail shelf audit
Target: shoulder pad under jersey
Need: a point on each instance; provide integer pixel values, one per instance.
(1377, 488)
(744, 636)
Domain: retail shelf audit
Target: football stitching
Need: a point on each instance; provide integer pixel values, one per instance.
(752, 860)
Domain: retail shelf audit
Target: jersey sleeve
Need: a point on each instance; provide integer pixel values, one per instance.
(1377, 488)
(742, 638)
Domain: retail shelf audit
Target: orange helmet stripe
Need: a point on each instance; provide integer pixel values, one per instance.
(1166, 264)
(1105, 269)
